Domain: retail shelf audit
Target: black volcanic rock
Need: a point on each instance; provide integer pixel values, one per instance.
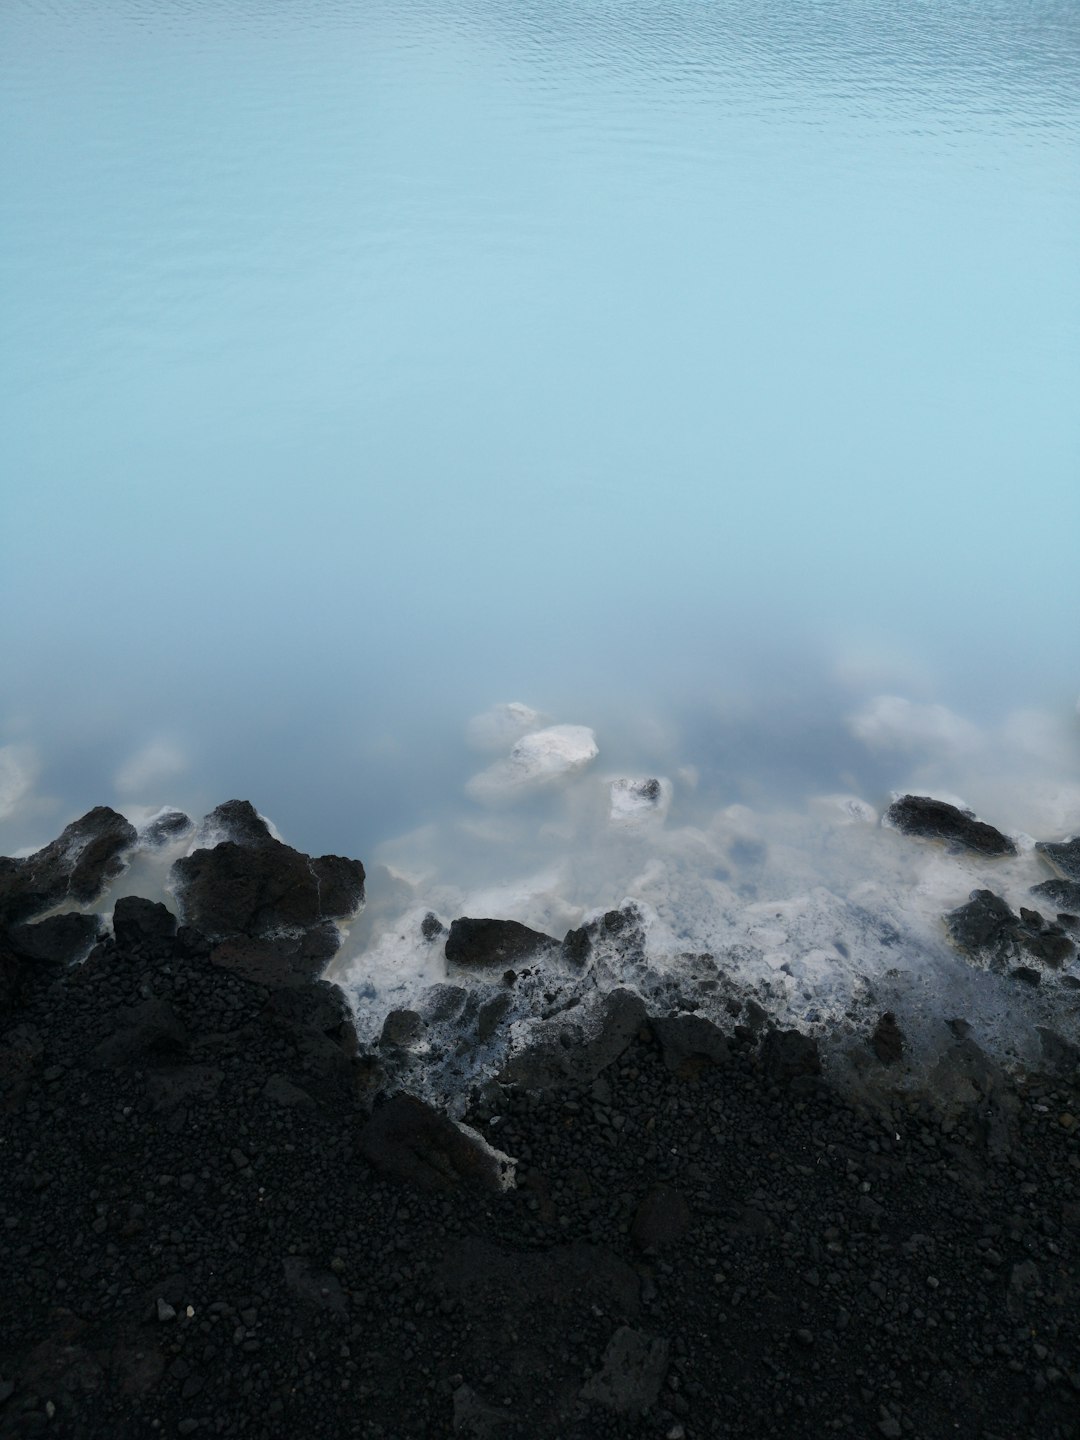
(405, 1139)
(987, 928)
(77, 866)
(166, 827)
(58, 940)
(257, 886)
(1064, 855)
(135, 920)
(1065, 893)
(789, 1055)
(936, 820)
(475, 943)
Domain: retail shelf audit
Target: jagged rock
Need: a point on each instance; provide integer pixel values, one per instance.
(320, 1007)
(475, 943)
(936, 820)
(170, 825)
(77, 866)
(1064, 855)
(631, 1373)
(281, 960)
(1065, 893)
(136, 920)
(574, 1047)
(431, 927)
(410, 1141)
(402, 1028)
(59, 940)
(887, 1041)
(1060, 1056)
(789, 1055)
(257, 886)
(987, 928)
(688, 1042)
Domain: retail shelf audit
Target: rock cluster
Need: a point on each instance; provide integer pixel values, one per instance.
(219, 1220)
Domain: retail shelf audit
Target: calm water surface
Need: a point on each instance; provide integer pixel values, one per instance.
(700, 372)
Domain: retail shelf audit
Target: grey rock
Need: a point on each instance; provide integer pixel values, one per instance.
(988, 929)
(314, 1289)
(1065, 893)
(573, 1048)
(631, 1373)
(172, 825)
(687, 1042)
(402, 1028)
(1064, 855)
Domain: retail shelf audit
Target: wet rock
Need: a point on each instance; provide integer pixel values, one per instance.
(431, 927)
(574, 1047)
(163, 829)
(987, 928)
(77, 866)
(59, 940)
(408, 1140)
(936, 820)
(539, 759)
(662, 1218)
(1065, 893)
(689, 1042)
(320, 1008)
(136, 920)
(291, 960)
(1060, 1056)
(402, 1028)
(476, 943)
(887, 1041)
(631, 1373)
(788, 1055)
(1063, 855)
(634, 801)
(258, 886)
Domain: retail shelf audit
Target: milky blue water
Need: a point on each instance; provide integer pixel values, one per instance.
(701, 373)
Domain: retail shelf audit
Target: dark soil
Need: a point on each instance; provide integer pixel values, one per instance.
(195, 1243)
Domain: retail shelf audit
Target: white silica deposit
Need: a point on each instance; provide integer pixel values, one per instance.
(539, 759)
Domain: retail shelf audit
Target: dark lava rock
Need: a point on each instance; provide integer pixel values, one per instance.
(475, 943)
(162, 830)
(1065, 893)
(935, 820)
(77, 865)
(402, 1028)
(662, 1218)
(574, 1047)
(279, 960)
(1064, 855)
(789, 1055)
(258, 886)
(631, 1374)
(407, 1140)
(687, 1042)
(136, 920)
(1060, 1056)
(987, 927)
(148, 1032)
(59, 940)
(237, 821)
(319, 1290)
(887, 1041)
(431, 927)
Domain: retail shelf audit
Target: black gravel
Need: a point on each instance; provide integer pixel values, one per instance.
(195, 1243)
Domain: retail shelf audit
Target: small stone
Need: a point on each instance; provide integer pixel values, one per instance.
(1067, 1121)
(165, 1311)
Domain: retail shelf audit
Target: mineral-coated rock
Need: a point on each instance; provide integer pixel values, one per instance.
(77, 866)
(475, 943)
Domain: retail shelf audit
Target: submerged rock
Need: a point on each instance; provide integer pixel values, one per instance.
(77, 866)
(170, 825)
(1064, 855)
(257, 886)
(887, 1041)
(987, 928)
(936, 820)
(473, 944)
(542, 758)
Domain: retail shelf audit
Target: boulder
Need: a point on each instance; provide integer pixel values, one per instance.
(77, 866)
(279, 960)
(571, 1049)
(148, 1033)
(690, 1042)
(473, 944)
(536, 761)
(257, 886)
(58, 940)
(936, 820)
(988, 929)
(887, 1041)
(1063, 855)
(410, 1141)
(788, 1055)
(136, 921)
(631, 1373)
(1065, 893)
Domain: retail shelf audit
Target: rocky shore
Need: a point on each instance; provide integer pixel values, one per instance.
(224, 1216)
